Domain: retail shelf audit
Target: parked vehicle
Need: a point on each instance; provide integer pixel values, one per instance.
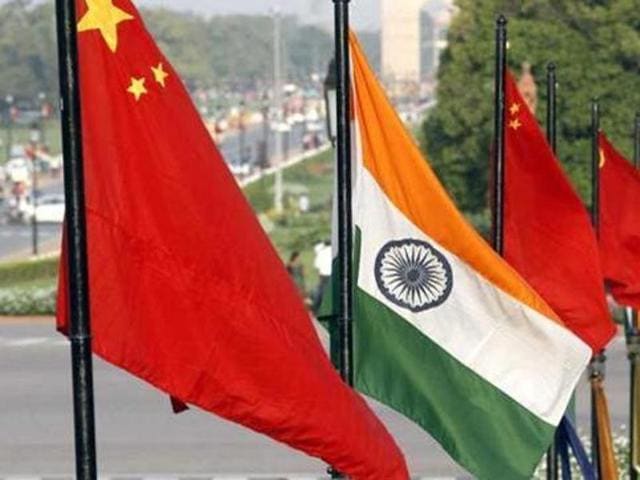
(49, 209)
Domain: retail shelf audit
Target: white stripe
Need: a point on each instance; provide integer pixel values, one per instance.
(524, 354)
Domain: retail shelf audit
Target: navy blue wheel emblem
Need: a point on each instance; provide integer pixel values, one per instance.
(413, 275)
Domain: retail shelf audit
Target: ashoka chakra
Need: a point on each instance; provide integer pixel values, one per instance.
(412, 274)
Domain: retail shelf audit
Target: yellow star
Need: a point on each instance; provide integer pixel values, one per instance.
(515, 124)
(515, 108)
(603, 158)
(159, 74)
(104, 16)
(137, 88)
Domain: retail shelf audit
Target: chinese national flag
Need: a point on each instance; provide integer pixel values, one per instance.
(620, 224)
(548, 236)
(187, 292)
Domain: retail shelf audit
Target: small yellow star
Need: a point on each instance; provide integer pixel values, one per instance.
(104, 16)
(159, 74)
(515, 124)
(603, 158)
(514, 109)
(137, 88)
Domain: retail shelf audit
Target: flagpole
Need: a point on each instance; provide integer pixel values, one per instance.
(633, 346)
(596, 367)
(552, 455)
(76, 240)
(499, 140)
(345, 214)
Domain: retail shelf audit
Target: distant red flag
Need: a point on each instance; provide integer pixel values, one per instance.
(620, 224)
(186, 290)
(548, 235)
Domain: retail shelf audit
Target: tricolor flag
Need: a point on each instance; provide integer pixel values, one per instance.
(548, 236)
(620, 224)
(445, 331)
(186, 291)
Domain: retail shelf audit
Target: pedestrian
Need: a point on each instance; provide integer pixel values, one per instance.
(296, 270)
(323, 263)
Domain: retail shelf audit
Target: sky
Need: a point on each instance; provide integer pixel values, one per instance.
(365, 13)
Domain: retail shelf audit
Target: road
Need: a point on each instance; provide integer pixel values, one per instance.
(137, 433)
(16, 240)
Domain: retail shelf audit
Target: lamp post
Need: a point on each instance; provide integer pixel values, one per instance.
(264, 143)
(242, 136)
(44, 115)
(34, 140)
(9, 100)
(330, 93)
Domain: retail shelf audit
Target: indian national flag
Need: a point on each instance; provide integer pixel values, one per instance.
(445, 331)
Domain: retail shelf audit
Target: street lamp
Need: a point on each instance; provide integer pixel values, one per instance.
(34, 140)
(45, 111)
(264, 143)
(330, 98)
(9, 101)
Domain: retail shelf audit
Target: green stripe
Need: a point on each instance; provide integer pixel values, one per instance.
(488, 433)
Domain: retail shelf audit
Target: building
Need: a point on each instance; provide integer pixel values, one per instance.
(400, 36)
(413, 35)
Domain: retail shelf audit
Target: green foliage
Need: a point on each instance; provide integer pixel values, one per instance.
(28, 62)
(28, 273)
(596, 47)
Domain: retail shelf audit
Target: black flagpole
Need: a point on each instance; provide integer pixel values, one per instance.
(76, 238)
(596, 368)
(633, 345)
(552, 455)
(345, 240)
(345, 215)
(499, 140)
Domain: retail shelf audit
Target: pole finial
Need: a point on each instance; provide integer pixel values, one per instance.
(551, 67)
(501, 21)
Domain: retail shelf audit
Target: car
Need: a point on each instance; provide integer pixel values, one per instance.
(49, 209)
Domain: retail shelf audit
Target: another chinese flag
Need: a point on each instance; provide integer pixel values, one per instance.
(548, 235)
(187, 292)
(620, 224)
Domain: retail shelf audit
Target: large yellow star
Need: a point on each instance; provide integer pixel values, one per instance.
(137, 88)
(103, 15)
(159, 74)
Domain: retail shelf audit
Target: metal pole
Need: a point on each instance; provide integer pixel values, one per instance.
(277, 100)
(34, 204)
(595, 165)
(552, 453)
(345, 214)
(499, 139)
(9, 100)
(76, 238)
(597, 363)
(345, 234)
(633, 346)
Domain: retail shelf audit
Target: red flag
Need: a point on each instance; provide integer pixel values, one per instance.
(548, 235)
(620, 224)
(187, 292)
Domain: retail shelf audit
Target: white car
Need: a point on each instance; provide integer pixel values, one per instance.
(49, 209)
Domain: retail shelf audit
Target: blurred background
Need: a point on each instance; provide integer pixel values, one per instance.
(259, 73)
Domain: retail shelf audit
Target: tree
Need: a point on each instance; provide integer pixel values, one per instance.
(596, 47)
(28, 62)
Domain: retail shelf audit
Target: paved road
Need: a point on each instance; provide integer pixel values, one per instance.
(138, 434)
